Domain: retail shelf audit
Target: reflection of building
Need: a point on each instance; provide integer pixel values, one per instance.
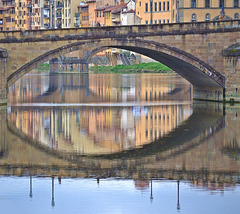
(213, 186)
(100, 129)
(96, 129)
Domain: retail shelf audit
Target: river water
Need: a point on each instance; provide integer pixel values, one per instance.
(116, 143)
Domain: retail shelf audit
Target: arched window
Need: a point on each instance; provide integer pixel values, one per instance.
(207, 17)
(236, 16)
(194, 17)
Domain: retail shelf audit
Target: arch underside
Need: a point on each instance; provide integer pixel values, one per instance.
(189, 67)
(191, 73)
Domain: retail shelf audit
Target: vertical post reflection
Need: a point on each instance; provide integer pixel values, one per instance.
(30, 193)
(178, 203)
(53, 202)
(151, 196)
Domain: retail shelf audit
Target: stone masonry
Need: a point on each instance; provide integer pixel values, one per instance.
(3, 77)
(194, 50)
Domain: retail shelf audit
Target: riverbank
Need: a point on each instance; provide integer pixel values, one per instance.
(151, 67)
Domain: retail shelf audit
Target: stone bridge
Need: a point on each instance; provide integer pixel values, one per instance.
(206, 54)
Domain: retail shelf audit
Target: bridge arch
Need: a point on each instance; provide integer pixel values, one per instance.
(197, 72)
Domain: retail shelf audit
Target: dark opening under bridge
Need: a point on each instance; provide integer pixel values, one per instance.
(206, 54)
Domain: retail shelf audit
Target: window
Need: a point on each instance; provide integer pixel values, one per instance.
(151, 6)
(208, 17)
(163, 21)
(236, 3)
(146, 7)
(221, 3)
(139, 4)
(193, 3)
(155, 21)
(194, 17)
(236, 16)
(167, 20)
(160, 6)
(159, 21)
(164, 6)
(155, 6)
(168, 6)
(207, 3)
(1, 21)
(146, 22)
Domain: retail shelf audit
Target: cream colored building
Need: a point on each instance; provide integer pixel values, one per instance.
(207, 10)
(174, 11)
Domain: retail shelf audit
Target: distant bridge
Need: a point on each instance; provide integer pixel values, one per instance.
(205, 54)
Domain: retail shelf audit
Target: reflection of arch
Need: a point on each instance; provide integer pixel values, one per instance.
(191, 68)
(207, 17)
(211, 122)
(194, 17)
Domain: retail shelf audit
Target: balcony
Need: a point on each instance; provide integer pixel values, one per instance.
(59, 6)
(46, 25)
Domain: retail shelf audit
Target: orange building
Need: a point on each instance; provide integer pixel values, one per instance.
(155, 12)
(7, 15)
(82, 17)
(91, 11)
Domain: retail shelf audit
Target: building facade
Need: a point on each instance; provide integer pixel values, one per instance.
(7, 16)
(207, 10)
(174, 11)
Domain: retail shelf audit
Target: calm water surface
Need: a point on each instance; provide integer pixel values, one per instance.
(116, 143)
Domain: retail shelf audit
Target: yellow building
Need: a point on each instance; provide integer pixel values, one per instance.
(23, 14)
(7, 15)
(156, 12)
(172, 11)
(207, 10)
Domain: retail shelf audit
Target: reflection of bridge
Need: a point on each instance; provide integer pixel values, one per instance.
(89, 88)
(203, 63)
(168, 157)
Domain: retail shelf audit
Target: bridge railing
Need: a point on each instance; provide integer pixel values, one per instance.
(119, 31)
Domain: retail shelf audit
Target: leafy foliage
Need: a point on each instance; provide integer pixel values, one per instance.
(152, 67)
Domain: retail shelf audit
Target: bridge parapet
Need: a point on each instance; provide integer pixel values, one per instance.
(119, 31)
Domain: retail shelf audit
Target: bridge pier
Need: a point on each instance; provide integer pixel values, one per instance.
(3, 77)
(208, 94)
(3, 132)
